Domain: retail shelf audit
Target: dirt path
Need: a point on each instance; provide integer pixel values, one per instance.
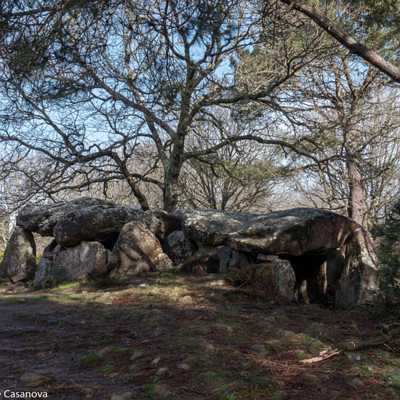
(179, 337)
(43, 338)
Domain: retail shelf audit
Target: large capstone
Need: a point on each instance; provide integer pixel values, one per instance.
(43, 218)
(295, 232)
(96, 223)
(212, 227)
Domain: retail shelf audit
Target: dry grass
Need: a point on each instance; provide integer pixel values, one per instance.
(93, 343)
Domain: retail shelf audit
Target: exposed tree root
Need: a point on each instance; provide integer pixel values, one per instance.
(356, 344)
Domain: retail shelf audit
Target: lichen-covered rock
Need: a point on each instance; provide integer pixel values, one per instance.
(285, 278)
(165, 223)
(200, 240)
(359, 281)
(103, 223)
(100, 223)
(227, 257)
(296, 231)
(20, 256)
(139, 251)
(179, 247)
(275, 280)
(43, 218)
(43, 272)
(212, 227)
(305, 236)
(152, 223)
(88, 260)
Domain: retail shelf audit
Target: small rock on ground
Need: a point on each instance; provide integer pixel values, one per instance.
(184, 367)
(156, 361)
(357, 383)
(124, 396)
(137, 354)
(186, 300)
(162, 371)
(31, 379)
(104, 351)
(353, 357)
(160, 389)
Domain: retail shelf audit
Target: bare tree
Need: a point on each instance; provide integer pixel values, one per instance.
(90, 84)
(337, 108)
(238, 177)
(344, 109)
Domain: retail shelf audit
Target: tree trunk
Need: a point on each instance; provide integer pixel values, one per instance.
(131, 182)
(356, 200)
(171, 181)
(356, 192)
(170, 195)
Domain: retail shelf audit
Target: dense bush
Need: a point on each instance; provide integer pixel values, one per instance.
(387, 237)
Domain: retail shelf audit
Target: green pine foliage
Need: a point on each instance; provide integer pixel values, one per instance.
(388, 246)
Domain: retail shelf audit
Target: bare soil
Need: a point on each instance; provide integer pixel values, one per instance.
(185, 337)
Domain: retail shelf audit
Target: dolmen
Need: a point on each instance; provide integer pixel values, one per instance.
(94, 238)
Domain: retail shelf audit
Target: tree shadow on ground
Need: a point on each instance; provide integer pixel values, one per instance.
(181, 337)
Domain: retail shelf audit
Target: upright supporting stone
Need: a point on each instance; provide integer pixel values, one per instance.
(285, 278)
(139, 251)
(86, 261)
(43, 272)
(179, 247)
(19, 260)
(359, 280)
(227, 257)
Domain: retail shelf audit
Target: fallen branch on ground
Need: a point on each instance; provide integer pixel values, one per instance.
(323, 355)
